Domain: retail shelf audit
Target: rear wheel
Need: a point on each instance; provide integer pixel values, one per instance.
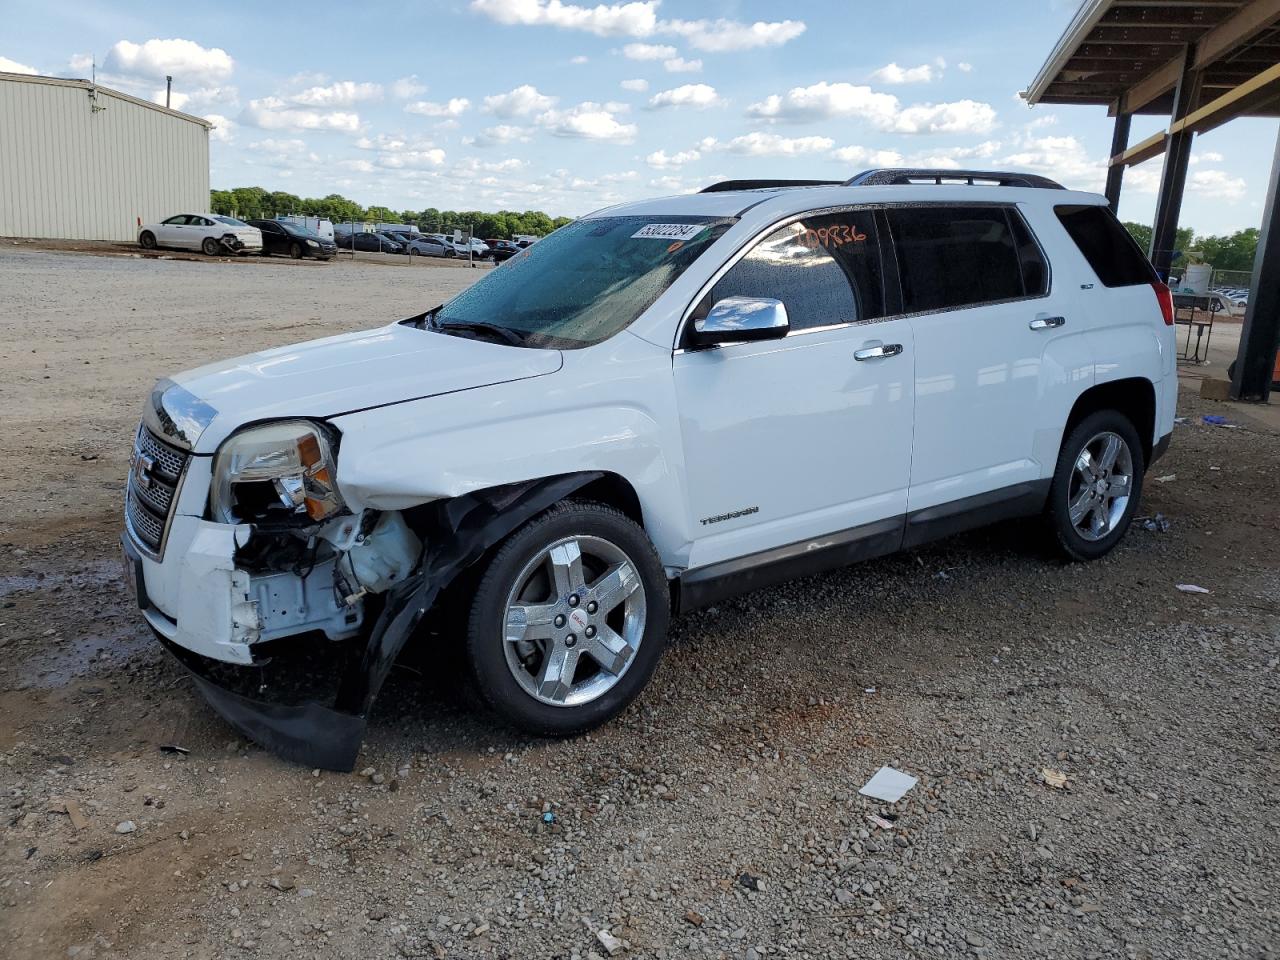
(210, 246)
(568, 620)
(1096, 485)
(147, 240)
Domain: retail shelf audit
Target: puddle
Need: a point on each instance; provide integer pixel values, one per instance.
(64, 661)
(96, 574)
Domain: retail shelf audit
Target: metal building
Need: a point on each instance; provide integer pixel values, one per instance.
(79, 161)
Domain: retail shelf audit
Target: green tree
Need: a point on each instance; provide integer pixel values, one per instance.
(1231, 252)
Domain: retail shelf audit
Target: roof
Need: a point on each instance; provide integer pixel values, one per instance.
(1127, 54)
(89, 85)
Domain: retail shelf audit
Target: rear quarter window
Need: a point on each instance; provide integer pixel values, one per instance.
(1114, 255)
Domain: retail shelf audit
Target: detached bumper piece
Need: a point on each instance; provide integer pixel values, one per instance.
(308, 700)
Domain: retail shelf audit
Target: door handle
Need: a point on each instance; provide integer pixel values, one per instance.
(877, 353)
(1047, 323)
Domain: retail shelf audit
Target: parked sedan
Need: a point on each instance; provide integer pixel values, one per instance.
(368, 241)
(213, 233)
(501, 250)
(424, 246)
(283, 237)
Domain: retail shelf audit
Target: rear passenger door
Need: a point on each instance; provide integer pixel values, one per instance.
(976, 285)
(809, 435)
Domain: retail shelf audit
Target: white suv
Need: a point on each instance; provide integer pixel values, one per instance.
(659, 405)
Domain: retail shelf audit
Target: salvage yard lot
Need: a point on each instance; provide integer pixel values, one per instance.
(718, 817)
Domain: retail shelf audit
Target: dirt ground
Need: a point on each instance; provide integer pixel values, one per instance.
(719, 817)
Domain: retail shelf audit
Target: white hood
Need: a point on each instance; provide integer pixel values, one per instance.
(350, 372)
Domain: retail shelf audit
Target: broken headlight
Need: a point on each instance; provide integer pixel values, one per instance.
(276, 472)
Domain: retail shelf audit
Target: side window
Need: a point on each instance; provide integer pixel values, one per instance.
(1035, 271)
(179, 221)
(950, 257)
(825, 270)
(1115, 257)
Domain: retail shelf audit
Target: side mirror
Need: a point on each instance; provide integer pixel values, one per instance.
(741, 319)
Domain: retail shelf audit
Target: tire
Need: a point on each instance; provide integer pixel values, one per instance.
(449, 254)
(412, 252)
(210, 246)
(1091, 486)
(507, 669)
(147, 240)
(295, 251)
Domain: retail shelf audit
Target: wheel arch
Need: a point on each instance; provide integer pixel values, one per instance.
(1135, 397)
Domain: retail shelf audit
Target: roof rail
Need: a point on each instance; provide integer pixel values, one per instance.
(725, 186)
(907, 175)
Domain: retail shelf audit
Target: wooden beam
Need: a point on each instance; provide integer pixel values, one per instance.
(1161, 80)
(1153, 146)
(1246, 23)
(1260, 90)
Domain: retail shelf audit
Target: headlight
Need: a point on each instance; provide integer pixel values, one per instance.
(312, 243)
(279, 471)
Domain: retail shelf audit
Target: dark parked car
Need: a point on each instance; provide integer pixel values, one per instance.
(295, 241)
(368, 240)
(501, 250)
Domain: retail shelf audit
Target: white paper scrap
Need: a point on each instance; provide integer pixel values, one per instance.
(888, 785)
(669, 231)
(1191, 588)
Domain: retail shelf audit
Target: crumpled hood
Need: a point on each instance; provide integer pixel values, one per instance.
(354, 371)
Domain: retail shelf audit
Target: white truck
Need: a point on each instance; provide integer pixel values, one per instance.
(660, 405)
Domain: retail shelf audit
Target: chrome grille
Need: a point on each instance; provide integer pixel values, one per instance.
(155, 471)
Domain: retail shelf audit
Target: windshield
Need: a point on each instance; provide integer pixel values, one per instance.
(586, 281)
(230, 221)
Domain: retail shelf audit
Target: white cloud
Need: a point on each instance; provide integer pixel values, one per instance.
(697, 95)
(635, 86)
(279, 148)
(224, 128)
(661, 159)
(359, 165)
(272, 113)
(13, 66)
(771, 145)
(639, 20)
(865, 156)
(406, 88)
(1211, 156)
(1063, 159)
(425, 108)
(635, 19)
(493, 136)
(1218, 184)
(681, 65)
(964, 67)
(579, 60)
(588, 121)
(824, 101)
(892, 73)
(198, 99)
(411, 159)
(184, 60)
(648, 51)
(722, 36)
(344, 93)
(674, 184)
(521, 101)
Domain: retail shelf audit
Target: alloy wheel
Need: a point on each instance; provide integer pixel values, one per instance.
(574, 621)
(1101, 483)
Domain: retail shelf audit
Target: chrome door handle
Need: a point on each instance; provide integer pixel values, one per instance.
(877, 353)
(1047, 323)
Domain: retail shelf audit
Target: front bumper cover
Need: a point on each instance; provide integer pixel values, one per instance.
(316, 733)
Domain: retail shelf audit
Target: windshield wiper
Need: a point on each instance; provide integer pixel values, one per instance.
(513, 337)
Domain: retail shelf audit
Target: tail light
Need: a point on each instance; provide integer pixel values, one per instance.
(1165, 296)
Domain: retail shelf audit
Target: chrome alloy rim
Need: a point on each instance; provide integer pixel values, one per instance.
(574, 621)
(1101, 483)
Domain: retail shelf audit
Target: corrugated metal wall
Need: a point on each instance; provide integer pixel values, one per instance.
(69, 172)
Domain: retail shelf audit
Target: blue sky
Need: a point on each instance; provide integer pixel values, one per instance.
(543, 104)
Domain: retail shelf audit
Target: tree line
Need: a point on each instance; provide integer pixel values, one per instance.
(250, 203)
(1234, 251)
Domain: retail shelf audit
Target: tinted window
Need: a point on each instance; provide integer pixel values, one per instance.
(1115, 257)
(1035, 271)
(824, 269)
(951, 257)
(178, 221)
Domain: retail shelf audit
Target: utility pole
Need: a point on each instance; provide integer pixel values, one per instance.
(168, 91)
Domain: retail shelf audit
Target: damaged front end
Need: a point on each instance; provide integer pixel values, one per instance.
(293, 609)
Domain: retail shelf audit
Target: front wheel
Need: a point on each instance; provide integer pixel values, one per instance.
(1096, 485)
(211, 247)
(295, 251)
(569, 620)
(147, 240)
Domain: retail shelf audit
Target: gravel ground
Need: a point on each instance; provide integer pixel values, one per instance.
(719, 817)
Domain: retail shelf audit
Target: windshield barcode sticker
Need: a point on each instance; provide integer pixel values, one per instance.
(669, 231)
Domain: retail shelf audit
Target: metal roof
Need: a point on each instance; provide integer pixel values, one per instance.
(1127, 54)
(89, 85)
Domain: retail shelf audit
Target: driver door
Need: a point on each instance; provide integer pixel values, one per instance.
(788, 442)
